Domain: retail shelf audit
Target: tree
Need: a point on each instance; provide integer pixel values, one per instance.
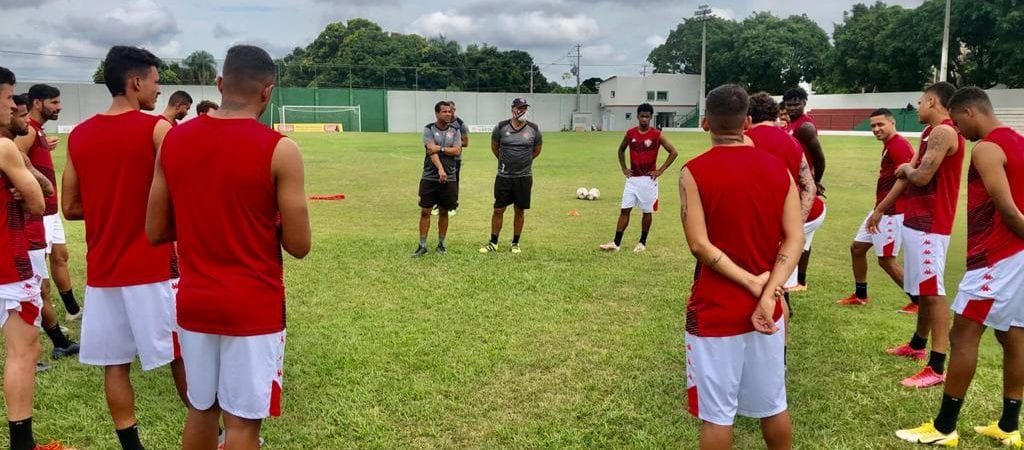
(681, 51)
(590, 84)
(199, 68)
(169, 73)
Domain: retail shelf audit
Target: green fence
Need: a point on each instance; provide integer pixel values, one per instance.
(373, 106)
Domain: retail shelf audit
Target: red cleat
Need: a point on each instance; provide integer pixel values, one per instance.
(923, 379)
(52, 446)
(905, 350)
(853, 300)
(911, 308)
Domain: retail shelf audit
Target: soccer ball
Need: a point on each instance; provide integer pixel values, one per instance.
(593, 194)
(581, 193)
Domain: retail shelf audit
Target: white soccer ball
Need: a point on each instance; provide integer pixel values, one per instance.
(581, 193)
(593, 194)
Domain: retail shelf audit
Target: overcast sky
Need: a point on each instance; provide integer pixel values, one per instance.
(616, 35)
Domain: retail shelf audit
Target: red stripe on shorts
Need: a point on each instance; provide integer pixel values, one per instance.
(275, 399)
(888, 249)
(929, 286)
(977, 309)
(691, 400)
(29, 312)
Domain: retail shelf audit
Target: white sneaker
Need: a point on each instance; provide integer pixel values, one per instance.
(640, 247)
(68, 317)
(609, 247)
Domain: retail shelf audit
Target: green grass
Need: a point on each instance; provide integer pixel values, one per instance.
(561, 346)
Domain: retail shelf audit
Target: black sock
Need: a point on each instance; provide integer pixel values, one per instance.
(862, 290)
(1010, 420)
(515, 238)
(801, 278)
(57, 336)
(914, 299)
(21, 434)
(917, 342)
(937, 361)
(618, 238)
(789, 307)
(70, 304)
(945, 422)
(129, 438)
(643, 237)
(494, 239)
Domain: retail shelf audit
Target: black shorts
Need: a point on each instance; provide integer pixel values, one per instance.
(509, 191)
(444, 195)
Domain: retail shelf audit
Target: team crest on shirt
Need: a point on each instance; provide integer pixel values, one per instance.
(648, 142)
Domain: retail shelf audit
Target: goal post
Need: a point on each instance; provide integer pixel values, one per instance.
(323, 118)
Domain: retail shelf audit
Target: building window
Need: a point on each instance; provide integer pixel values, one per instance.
(629, 116)
(650, 96)
(662, 96)
(613, 94)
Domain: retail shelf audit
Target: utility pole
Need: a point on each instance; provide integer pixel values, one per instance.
(576, 71)
(702, 14)
(945, 45)
(643, 70)
(531, 78)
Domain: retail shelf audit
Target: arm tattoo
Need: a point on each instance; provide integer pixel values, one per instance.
(719, 258)
(682, 198)
(781, 259)
(806, 180)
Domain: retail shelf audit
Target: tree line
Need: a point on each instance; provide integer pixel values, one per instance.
(876, 48)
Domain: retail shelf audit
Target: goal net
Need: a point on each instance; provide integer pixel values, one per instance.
(322, 118)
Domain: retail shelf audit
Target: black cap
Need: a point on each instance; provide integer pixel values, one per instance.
(519, 102)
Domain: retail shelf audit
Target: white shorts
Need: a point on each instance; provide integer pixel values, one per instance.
(54, 231)
(242, 373)
(23, 297)
(640, 191)
(122, 322)
(39, 267)
(993, 295)
(889, 238)
(924, 262)
(744, 374)
(809, 229)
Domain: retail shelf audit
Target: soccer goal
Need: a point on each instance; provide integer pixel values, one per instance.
(323, 118)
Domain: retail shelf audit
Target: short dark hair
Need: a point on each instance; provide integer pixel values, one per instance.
(971, 96)
(645, 107)
(123, 62)
(438, 105)
(248, 68)
(21, 100)
(943, 90)
(179, 98)
(881, 112)
(7, 77)
(727, 107)
(205, 106)
(42, 92)
(763, 108)
(795, 93)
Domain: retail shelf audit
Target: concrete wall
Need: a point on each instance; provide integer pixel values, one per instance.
(683, 90)
(408, 111)
(81, 101)
(1001, 98)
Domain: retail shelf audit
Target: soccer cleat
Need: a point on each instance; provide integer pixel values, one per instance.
(489, 248)
(451, 212)
(798, 288)
(639, 248)
(441, 250)
(60, 352)
(910, 308)
(992, 430)
(609, 247)
(905, 350)
(52, 446)
(515, 248)
(923, 379)
(927, 434)
(40, 367)
(853, 300)
(434, 211)
(420, 251)
(68, 317)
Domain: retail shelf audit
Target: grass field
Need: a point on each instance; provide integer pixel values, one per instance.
(561, 346)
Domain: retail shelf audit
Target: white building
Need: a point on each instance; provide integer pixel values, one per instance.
(674, 97)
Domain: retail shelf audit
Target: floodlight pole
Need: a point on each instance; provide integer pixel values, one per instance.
(945, 45)
(578, 55)
(702, 14)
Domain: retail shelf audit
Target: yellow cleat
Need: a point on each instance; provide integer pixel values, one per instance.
(992, 430)
(927, 434)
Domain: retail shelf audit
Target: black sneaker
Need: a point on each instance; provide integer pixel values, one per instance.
(60, 352)
(420, 251)
(441, 250)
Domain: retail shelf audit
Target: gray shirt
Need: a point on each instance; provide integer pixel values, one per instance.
(463, 128)
(515, 148)
(445, 137)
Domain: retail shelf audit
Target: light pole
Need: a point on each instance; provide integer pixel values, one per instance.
(702, 14)
(945, 45)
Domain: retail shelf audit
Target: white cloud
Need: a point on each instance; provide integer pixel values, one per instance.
(140, 22)
(603, 54)
(724, 13)
(449, 25)
(535, 29)
(654, 40)
(220, 31)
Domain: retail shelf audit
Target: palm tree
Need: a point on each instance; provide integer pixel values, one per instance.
(199, 68)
